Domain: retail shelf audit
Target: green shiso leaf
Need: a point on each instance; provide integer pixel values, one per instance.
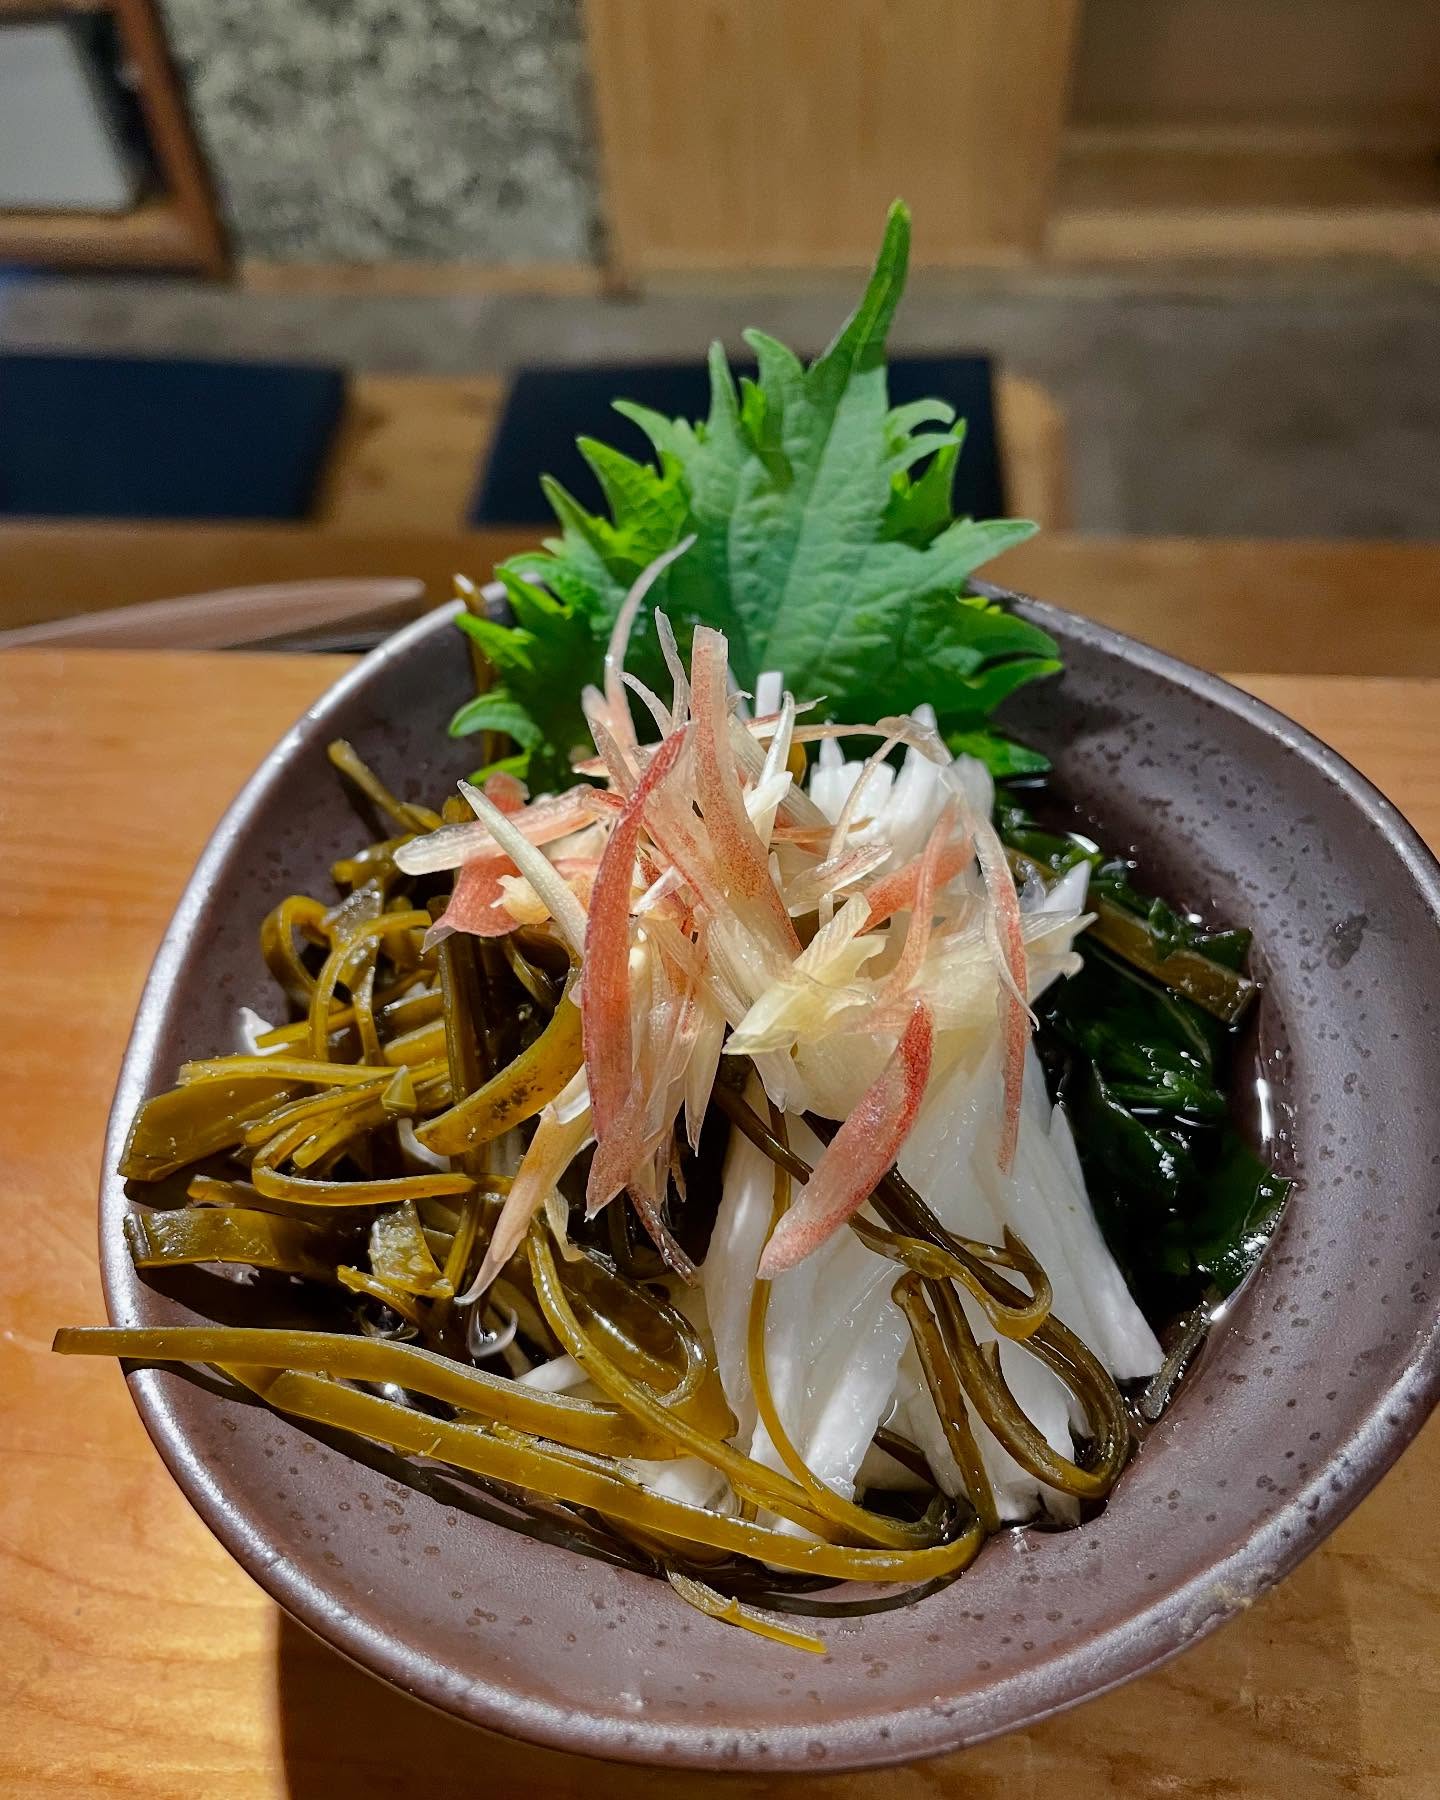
(826, 546)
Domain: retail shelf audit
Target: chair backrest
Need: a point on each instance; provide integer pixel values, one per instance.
(548, 408)
(124, 437)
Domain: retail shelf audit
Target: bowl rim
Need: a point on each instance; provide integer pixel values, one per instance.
(1146, 1639)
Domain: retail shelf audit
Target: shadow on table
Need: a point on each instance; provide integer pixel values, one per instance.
(1270, 1700)
(347, 1736)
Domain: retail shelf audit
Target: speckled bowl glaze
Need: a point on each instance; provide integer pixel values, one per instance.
(1322, 1370)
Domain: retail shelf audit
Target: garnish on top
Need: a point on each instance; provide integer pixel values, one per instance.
(825, 544)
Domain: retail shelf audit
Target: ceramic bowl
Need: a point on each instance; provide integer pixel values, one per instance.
(1319, 1373)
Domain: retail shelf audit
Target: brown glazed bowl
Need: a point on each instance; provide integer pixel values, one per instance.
(1322, 1369)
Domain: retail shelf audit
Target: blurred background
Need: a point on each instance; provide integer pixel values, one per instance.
(282, 265)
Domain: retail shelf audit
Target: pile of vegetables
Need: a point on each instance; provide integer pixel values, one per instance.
(686, 1129)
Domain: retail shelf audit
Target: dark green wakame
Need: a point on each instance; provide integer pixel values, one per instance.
(1147, 1075)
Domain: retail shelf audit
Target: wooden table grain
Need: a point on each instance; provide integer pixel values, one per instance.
(137, 1659)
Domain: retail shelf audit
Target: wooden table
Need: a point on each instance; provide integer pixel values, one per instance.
(1272, 607)
(136, 1658)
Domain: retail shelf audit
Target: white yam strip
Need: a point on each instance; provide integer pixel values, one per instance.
(855, 797)
(557, 1376)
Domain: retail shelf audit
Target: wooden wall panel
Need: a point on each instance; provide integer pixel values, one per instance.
(774, 133)
(1340, 73)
